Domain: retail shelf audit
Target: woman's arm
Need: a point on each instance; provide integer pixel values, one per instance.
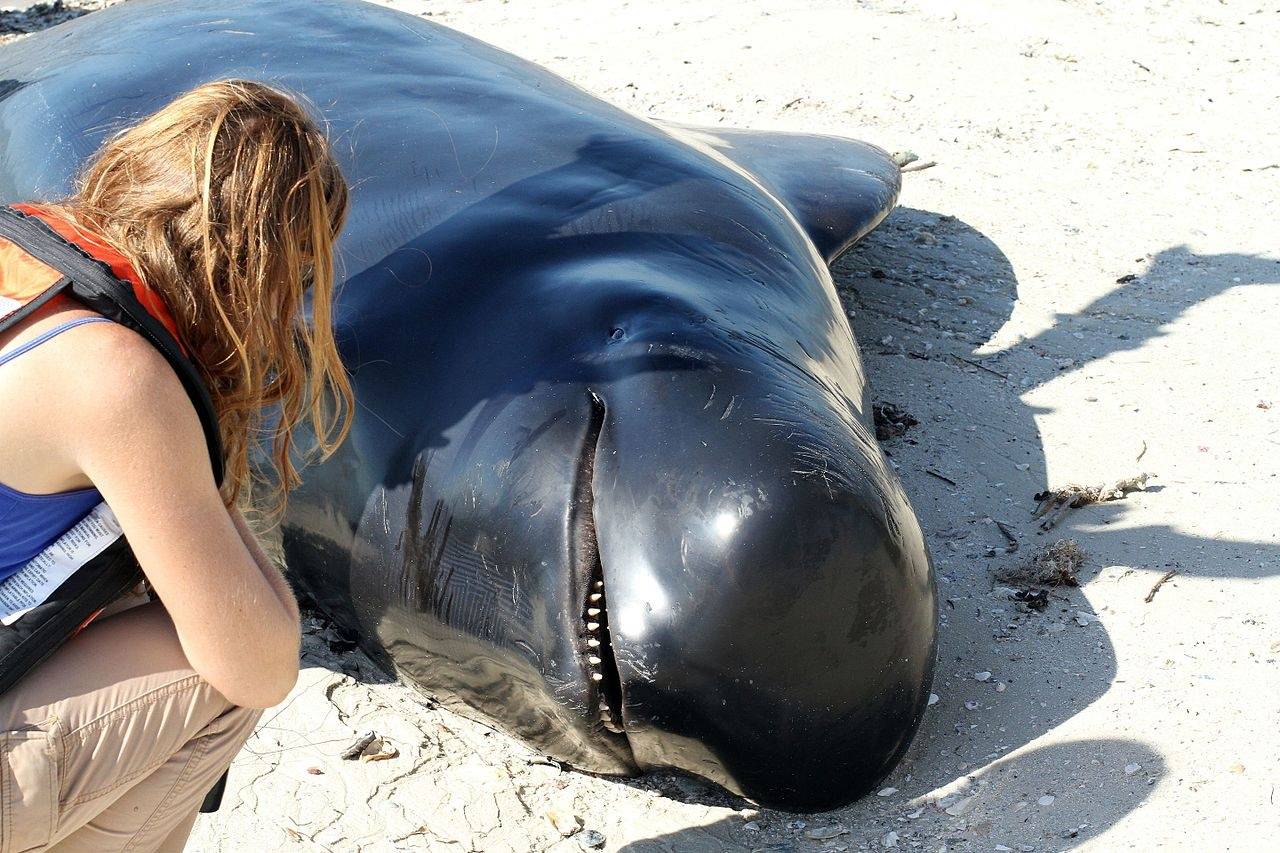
(136, 436)
(269, 569)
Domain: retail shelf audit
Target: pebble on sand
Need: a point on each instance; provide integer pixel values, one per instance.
(1130, 769)
(887, 792)
(982, 676)
(565, 823)
(822, 833)
(1046, 800)
(890, 839)
(590, 839)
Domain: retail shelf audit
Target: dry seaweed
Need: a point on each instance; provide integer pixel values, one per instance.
(892, 420)
(1053, 504)
(1054, 565)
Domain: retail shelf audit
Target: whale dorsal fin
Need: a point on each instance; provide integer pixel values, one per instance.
(838, 189)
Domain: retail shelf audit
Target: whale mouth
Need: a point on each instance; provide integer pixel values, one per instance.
(604, 683)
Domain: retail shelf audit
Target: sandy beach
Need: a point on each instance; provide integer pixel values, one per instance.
(1082, 288)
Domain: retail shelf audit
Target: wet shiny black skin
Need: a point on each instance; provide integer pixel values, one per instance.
(586, 349)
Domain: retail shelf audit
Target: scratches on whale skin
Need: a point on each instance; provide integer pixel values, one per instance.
(380, 418)
(531, 436)
(602, 216)
(421, 554)
(453, 580)
(483, 597)
(707, 405)
(839, 470)
(453, 145)
(728, 410)
(788, 364)
(421, 36)
(488, 159)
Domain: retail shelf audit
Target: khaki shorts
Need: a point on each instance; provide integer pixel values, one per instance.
(112, 743)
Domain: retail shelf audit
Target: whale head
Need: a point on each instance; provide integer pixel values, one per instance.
(635, 513)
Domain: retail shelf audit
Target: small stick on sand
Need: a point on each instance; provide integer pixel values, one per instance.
(943, 477)
(1008, 535)
(980, 366)
(1159, 584)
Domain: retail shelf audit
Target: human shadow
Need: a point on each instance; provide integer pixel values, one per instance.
(1162, 288)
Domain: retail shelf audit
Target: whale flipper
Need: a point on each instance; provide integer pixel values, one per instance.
(837, 189)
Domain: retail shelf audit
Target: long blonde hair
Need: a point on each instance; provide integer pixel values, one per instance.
(228, 201)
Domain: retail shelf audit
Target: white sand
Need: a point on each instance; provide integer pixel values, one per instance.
(1076, 142)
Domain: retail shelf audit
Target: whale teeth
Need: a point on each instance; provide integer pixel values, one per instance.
(606, 718)
(595, 641)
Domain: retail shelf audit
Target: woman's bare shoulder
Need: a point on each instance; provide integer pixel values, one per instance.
(115, 375)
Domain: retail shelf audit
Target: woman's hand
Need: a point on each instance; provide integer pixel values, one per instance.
(135, 435)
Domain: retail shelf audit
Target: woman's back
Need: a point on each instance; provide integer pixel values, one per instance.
(42, 492)
(37, 504)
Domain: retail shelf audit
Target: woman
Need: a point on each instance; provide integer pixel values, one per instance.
(226, 203)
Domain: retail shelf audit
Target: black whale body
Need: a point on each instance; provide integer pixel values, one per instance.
(612, 481)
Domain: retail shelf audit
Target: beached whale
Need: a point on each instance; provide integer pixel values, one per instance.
(613, 481)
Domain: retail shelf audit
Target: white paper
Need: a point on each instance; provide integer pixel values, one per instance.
(32, 585)
(8, 306)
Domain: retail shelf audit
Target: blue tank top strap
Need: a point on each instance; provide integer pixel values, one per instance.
(51, 333)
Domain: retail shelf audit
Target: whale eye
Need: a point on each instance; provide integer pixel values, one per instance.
(616, 334)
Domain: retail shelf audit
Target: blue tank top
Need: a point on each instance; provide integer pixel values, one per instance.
(30, 523)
